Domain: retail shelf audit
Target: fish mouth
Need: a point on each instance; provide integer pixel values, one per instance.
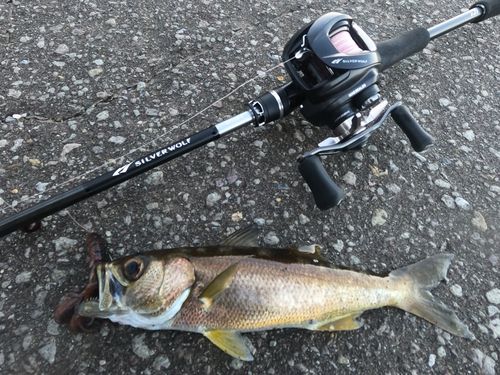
(106, 303)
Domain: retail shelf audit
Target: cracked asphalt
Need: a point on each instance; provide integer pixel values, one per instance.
(88, 86)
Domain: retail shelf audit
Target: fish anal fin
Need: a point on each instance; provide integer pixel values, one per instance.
(219, 284)
(231, 342)
(245, 237)
(346, 323)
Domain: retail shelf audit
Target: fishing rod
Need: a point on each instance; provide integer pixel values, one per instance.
(334, 68)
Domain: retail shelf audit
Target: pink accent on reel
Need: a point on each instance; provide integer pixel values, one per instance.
(344, 43)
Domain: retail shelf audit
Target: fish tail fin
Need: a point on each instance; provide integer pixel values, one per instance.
(422, 278)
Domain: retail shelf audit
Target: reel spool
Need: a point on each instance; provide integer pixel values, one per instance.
(335, 64)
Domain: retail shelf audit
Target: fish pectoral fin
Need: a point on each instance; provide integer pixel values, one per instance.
(231, 342)
(346, 323)
(220, 283)
(246, 237)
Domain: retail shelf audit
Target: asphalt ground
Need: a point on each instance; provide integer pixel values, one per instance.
(88, 86)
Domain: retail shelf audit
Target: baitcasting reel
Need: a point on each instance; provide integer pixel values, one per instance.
(336, 65)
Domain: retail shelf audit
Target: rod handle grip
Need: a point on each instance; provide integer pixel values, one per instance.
(325, 192)
(402, 46)
(491, 9)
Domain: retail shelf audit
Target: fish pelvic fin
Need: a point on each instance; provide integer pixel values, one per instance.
(342, 323)
(219, 284)
(246, 237)
(231, 342)
(423, 277)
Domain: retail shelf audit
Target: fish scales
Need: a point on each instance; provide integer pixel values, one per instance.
(268, 294)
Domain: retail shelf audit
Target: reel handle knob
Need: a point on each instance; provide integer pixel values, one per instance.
(420, 140)
(325, 192)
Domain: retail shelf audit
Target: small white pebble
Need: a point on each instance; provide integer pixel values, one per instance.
(441, 352)
(493, 296)
(432, 360)
(456, 290)
(492, 310)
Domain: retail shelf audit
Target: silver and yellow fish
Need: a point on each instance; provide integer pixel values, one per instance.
(236, 287)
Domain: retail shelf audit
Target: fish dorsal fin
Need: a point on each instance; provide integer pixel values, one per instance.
(221, 282)
(245, 237)
(231, 342)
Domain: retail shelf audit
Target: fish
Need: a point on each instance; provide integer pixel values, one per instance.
(236, 287)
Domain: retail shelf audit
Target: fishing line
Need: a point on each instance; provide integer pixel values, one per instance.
(113, 160)
(76, 222)
(344, 43)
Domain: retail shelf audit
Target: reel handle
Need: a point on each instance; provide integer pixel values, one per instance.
(491, 8)
(420, 140)
(325, 192)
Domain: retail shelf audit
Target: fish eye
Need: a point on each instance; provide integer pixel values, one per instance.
(132, 269)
